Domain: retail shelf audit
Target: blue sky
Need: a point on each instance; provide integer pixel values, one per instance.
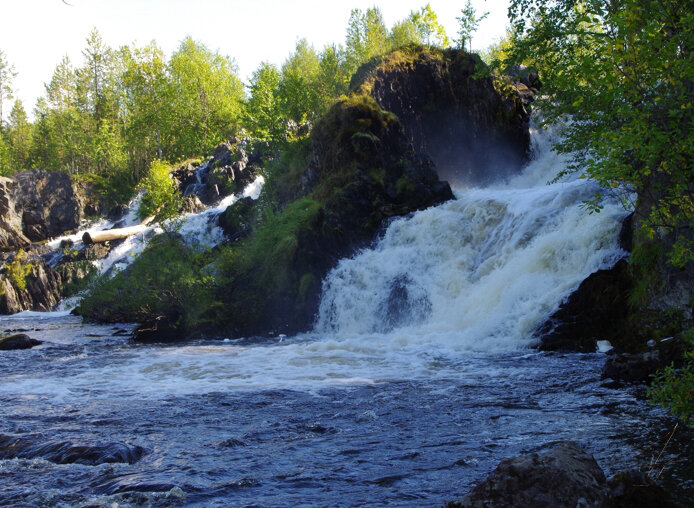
(36, 34)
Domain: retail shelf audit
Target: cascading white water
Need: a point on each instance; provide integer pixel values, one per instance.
(198, 229)
(474, 275)
(480, 272)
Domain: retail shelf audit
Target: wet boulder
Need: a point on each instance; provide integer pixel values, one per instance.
(230, 170)
(18, 341)
(192, 204)
(563, 476)
(65, 452)
(638, 367)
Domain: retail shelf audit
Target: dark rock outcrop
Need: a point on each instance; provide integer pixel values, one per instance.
(564, 476)
(19, 341)
(597, 310)
(474, 128)
(362, 171)
(36, 205)
(228, 171)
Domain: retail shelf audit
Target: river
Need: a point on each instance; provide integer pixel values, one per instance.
(418, 377)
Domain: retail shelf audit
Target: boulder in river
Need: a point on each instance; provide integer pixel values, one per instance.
(562, 476)
(18, 341)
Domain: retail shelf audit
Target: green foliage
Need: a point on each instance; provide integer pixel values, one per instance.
(263, 116)
(19, 136)
(17, 270)
(7, 167)
(167, 279)
(468, 21)
(205, 97)
(622, 71)
(367, 37)
(7, 75)
(674, 388)
(646, 262)
(283, 173)
(276, 241)
(296, 91)
(430, 31)
(161, 198)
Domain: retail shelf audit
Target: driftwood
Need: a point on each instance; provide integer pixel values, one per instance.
(115, 234)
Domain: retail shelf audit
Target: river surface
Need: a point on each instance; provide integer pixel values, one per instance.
(419, 375)
(219, 425)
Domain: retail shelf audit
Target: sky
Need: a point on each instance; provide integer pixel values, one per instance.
(36, 34)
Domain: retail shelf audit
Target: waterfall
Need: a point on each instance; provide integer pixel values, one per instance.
(480, 272)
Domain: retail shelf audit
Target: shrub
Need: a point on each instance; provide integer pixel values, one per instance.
(161, 198)
(674, 388)
(17, 270)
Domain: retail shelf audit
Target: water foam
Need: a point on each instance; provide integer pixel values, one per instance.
(480, 272)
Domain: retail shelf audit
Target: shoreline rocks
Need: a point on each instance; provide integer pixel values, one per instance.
(562, 476)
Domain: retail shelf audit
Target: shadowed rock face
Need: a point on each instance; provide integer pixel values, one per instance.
(36, 205)
(474, 129)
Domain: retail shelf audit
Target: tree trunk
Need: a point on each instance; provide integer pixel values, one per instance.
(115, 234)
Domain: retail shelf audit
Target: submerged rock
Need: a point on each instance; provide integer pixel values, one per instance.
(65, 452)
(19, 341)
(564, 476)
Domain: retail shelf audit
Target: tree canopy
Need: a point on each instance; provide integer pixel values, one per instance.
(619, 75)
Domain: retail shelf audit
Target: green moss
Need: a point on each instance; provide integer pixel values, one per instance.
(404, 186)
(276, 241)
(283, 173)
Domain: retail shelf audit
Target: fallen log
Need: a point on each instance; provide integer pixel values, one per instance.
(115, 234)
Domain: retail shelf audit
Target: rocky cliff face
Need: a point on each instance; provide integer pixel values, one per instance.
(37, 205)
(475, 128)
